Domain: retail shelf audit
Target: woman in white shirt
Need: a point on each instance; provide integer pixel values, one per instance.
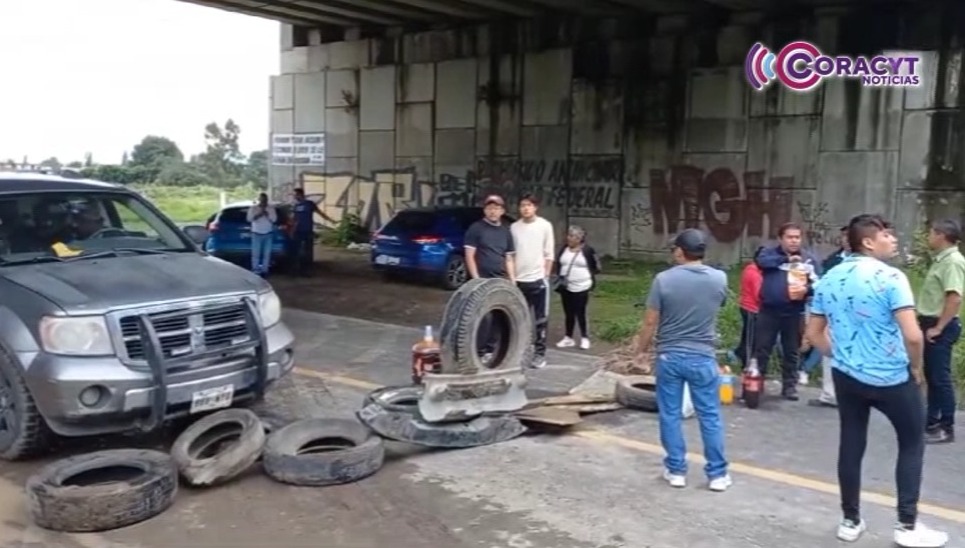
(576, 269)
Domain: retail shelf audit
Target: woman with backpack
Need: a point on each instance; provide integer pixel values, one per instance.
(576, 268)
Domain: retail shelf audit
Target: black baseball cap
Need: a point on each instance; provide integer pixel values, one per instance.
(691, 241)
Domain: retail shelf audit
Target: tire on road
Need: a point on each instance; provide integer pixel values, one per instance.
(405, 427)
(637, 392)
(458, 334)
(219, 446)
(398, 399)
(102, 490)
(320, 452)
(26, 433)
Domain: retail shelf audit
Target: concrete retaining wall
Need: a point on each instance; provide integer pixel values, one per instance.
(632, 138)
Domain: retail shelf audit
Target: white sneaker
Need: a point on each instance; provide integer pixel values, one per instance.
(538, 363)
(803, 379)
(720, 484)
(675, 480)
(849, 531)
(585, 343)
(921, 536)
(566, 342)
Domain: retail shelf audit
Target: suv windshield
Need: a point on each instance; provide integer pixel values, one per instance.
(59, 225)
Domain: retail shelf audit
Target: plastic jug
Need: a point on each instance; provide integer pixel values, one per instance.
(726, 386)
(425, 356)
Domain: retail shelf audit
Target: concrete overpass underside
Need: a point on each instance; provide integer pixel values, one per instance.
(631, 118)
(382, 13)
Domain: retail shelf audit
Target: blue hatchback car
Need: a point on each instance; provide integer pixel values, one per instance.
(426, 241)
(229, 234)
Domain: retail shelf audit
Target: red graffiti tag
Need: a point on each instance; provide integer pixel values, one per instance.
(692, 197)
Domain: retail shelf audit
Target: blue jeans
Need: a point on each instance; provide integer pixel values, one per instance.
(938, 373)
(701, 374)
(260, 253)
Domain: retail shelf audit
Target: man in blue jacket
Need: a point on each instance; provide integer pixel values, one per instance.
(782, 303)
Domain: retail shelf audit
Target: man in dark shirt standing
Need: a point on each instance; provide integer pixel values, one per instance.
(782, 303)
(303, 233)
(489, 254)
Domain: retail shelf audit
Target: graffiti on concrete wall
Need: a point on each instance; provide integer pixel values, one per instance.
(376, 197)
(690, 197)
(587, 187)
(582, 187)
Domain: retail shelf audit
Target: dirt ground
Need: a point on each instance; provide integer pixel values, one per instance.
(344, 284)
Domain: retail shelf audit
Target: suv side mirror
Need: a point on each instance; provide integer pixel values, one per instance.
(197, 233)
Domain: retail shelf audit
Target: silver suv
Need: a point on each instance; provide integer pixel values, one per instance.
(112, 319)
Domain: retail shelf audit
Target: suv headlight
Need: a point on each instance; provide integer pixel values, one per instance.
(270, 307)
(76, 336)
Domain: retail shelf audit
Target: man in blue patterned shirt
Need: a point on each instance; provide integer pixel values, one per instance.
(863, 316)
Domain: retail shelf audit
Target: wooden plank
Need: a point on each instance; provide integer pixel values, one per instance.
(571, 399)
(550, 415)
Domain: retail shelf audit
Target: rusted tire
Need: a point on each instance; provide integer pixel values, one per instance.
(319, 452)
(102, 490)
(468, 306)
(218, 447)
(637, 392)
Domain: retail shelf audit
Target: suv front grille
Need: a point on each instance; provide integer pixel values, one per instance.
(193, 332)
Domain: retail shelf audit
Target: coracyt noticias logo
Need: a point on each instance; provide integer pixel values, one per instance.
(800, 66)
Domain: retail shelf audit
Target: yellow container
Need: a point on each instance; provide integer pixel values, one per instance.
(726, 388)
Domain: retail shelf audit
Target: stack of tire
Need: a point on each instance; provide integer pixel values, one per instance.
(393, 412)
(116, 488)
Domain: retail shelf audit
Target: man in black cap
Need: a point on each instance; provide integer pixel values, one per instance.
(489, 252)
(839, 254)
(681, 315)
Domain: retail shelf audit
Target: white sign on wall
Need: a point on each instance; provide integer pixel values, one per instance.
(298, 149)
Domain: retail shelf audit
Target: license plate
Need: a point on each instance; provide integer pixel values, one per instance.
(213, 398)
(387, 260)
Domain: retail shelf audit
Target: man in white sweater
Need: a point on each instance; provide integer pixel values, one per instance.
(533, 240)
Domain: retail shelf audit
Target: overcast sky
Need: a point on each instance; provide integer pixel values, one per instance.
(96, 76)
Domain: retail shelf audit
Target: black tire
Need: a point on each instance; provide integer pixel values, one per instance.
(456, 274)
(460, 324)
(397, 399)
(148, 488)
(752, 400)
(218, 447)
(637, 392)
(345, 451)
(23, 431)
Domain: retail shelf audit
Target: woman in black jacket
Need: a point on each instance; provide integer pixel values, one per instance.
(576, 268)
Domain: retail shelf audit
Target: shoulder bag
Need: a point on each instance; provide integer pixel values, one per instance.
(559, 282)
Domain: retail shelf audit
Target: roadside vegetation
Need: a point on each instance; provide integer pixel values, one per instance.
(614, 318)
(193, 204)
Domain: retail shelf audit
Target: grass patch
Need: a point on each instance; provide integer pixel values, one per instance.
(192, 204)
(613, 317)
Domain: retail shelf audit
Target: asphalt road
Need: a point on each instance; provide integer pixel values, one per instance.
(597, 487)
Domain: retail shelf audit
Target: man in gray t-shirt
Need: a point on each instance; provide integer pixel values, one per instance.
(681, 323)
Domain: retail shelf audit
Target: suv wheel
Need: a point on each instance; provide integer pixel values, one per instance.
(456, 273)
(23, 432)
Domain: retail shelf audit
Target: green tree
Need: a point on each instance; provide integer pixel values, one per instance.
(152, 151)
(256, 169)
(222, 159)
(51, 163)
(88, 160)
(75, 165)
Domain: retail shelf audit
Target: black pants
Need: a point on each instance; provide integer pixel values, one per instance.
(903, 406)
(770, 324)
(574, 311)
(938, 374)
(302, 251)
(746, 344)
(538, 296)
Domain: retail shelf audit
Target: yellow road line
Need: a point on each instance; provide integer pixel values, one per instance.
(777, 476)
